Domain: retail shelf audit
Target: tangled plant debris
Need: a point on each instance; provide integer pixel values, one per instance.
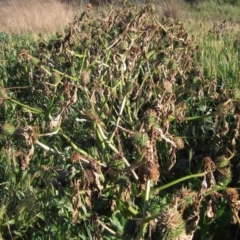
(112, 106)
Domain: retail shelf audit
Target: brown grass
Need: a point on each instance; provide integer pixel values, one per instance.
(170, 8)
(36, 16)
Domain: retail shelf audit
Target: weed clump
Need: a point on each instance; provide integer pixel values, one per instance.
(116, 108)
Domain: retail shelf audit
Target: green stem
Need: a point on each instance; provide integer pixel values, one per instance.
(64, 75)
(132, 210)
(180, 180)
(172, 118)
(114, 149)
(34, 110)
(74, 146)
(101, 139)
(146, 200)
(84, 57)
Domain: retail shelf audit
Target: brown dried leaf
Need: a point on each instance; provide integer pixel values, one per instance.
(97, 180)
(210, 212)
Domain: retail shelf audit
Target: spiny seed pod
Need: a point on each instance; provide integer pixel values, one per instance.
(166, 60)
(104, 14)
(236, 94)
(84, 28)
(93, 151)
(96, 24)
(167, 86)
(179, 142)
(179, 22)
(131, 16)
(8, 129)
(170, 225)
(58, 34)
(232, 195)
(89, 6)
(172, 65)
(225, 108)
(114, 33)
(86, 43)
(124, 46)
(222, 162)
(150, 118)
(115, 82)
(85, 77)
(3, 92)
(153, 206)
(57, 110)
(43, 168)
(56, 78)
(225, 176)
(153, 8)
(186, 195)
(149, 171)
(140, 139)
(75, 157)
(105, 42)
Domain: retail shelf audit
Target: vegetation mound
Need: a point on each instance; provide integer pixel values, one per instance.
(102, 123)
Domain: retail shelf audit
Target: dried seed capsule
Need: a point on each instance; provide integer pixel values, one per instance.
(56, 78)
(86, 43)
(85, 77)
(172, 65)
(124, 46)
(3, 92)
(170, 225)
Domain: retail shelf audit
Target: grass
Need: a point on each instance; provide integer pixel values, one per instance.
(218, 53)
(43, 16)
(35, 16)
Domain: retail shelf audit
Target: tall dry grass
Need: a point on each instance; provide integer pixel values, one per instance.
(171, 9)
(36, 16)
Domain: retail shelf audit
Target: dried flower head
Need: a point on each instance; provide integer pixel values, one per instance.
(225, 176)
(209, 164)
(170, 224)
(85, 77)
(179, 142)
(149, 171)
(232, 195)
(167, 86)
(75, 157)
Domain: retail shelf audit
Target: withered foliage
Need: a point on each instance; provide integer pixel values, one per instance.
(120, 96)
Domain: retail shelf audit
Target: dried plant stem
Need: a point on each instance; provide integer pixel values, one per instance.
(164, 29)
(49, 134)
(119, 118)
(114, 149)
(47, 148)
(235, 213)
(147, 193)
(109, 230)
